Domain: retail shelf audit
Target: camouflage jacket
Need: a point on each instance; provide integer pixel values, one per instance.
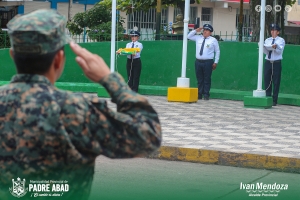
(47, 133)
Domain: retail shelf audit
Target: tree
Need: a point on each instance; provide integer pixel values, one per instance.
(180, 4)
(255, 20)
(98, 22)
(158, 19)
(70, 5)
(241, 19)
(145, 5)
(4, 39)
(102, 32)
(130, 6)
(270, 17)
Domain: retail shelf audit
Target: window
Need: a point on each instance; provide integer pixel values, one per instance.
(146, 20)
(206, 16)
(246, 21)
(192, 17)
(5, 16)
(246, 18)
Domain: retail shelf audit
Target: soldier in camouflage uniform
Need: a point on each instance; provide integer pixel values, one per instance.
(50, 134)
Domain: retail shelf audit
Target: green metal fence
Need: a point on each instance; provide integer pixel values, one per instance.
(4, 40)
(87, 38)
(232, 37)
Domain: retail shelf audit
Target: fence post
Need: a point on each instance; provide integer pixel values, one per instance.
(5, 39)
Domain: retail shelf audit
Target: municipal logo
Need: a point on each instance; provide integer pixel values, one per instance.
(18, 190)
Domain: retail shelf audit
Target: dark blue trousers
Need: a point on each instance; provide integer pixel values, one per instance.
(134, 68)
(272, 77)
(203, 69)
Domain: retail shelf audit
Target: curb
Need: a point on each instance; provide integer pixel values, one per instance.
(276, 163)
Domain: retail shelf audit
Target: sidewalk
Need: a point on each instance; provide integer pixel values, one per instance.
(223, 132)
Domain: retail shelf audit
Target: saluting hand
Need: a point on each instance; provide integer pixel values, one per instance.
(199, 29)
(92, 65)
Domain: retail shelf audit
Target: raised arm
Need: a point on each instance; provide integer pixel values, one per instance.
(133, 130)
(192, 35)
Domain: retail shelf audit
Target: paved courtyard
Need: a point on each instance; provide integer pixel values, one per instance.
(225, 125)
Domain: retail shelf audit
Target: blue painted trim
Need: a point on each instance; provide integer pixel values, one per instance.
(53, 5)
(87, 2)
(21, 9)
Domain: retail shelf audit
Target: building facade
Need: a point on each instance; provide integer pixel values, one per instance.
(221, 14)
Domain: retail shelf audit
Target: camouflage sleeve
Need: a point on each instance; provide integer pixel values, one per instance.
(133, 130)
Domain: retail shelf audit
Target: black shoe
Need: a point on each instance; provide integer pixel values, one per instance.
(206, 98)
(200, 98)
(274, 103)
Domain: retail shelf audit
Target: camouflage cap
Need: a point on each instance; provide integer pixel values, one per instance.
(38, 32)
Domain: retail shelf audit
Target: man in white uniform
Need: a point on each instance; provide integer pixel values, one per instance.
(207, 58)
(273, 48)
(134, 63)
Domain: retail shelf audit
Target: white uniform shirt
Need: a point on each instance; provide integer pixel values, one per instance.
(276, 53)
(211, 46)
(137, 44)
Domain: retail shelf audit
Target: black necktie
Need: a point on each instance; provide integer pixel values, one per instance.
(270, 52)
(132, 47)
(202, 47)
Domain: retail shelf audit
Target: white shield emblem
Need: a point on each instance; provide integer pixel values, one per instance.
(18, 189)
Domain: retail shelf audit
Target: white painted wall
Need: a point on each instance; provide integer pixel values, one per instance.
(170, 14)
(294, 15)
(62, 8)
(224, 21)
(30, 6)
